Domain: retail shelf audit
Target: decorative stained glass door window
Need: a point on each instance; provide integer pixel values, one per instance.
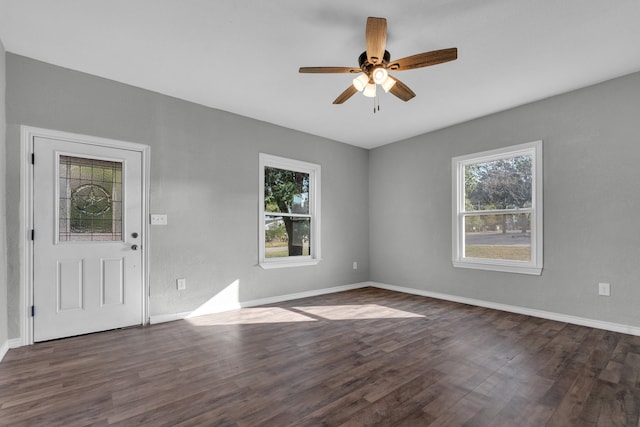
(90, 200)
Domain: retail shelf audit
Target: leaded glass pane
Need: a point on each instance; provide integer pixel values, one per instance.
(90, 203)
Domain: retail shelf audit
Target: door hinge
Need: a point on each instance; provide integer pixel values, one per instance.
(33, 234)
(33, 311)
(33, 158)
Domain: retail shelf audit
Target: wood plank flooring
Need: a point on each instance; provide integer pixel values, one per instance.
(357, 358)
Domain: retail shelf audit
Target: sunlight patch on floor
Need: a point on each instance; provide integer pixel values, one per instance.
(356, 312)
(247, 316)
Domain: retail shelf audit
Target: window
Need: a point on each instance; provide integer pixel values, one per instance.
(89, 203)
(289, 223)
(497, 208)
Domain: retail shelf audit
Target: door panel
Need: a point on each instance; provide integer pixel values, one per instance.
(69, 285)
(87, 207)
(112, 281)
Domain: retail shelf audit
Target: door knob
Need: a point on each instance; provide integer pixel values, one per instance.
(134, 247)
(134, 235)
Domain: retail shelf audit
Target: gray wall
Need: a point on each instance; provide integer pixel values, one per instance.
(3, 240)
(591, 153)
(389, 208)
(204, 176)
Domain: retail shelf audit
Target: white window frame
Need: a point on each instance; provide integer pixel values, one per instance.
(267, 160)
(534, 266)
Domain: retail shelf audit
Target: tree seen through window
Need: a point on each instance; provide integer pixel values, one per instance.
(287, 214)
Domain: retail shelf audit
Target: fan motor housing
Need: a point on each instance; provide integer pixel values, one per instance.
(367, 66)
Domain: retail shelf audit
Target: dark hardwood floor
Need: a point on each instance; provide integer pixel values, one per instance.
(363, 357)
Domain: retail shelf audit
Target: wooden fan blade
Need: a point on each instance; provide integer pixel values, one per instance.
(376, 39)
(424, 59)
(401, 90)
(348, 93)
(330, 70)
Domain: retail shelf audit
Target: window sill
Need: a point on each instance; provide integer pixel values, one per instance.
(507, 268)
(288, 263)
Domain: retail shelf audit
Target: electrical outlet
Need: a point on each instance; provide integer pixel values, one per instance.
(355, 265)
(182, 284)
(604, 289)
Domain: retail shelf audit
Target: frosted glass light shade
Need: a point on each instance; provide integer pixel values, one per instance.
(388, 84)
(361, 82)
(380, 75)
(370, 90)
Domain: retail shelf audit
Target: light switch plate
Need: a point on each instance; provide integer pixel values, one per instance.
(158, 219)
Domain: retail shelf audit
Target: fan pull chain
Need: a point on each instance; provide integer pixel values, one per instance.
(376, 104)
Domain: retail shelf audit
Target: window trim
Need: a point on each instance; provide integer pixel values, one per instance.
(314, 171)
(534, 266)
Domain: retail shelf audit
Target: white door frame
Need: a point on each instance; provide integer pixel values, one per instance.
(27, 135)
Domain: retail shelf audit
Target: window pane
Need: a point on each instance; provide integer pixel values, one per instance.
(90, 205)
(285, 236)
(506, 237)
(286, 191)
(499, 184)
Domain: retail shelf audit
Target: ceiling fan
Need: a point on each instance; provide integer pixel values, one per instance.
(375, 64)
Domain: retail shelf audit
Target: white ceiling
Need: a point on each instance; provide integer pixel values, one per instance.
(243, 56)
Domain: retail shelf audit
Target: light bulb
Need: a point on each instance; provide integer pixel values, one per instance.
(388, 83)
(370, 90)
(380, 75)
(360, 82)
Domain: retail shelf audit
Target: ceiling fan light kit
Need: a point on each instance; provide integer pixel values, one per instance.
(380, 74)
(370, 90)
(361, 82)
(375, 63)
(388, 83)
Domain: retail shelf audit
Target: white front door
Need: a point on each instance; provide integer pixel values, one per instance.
(87, 251)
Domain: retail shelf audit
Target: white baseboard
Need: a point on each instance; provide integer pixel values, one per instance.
(256, 302)
(598, 324)
(575, 320)
(162, 318)
(3, 349)
(8, 345)
(13, 343)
